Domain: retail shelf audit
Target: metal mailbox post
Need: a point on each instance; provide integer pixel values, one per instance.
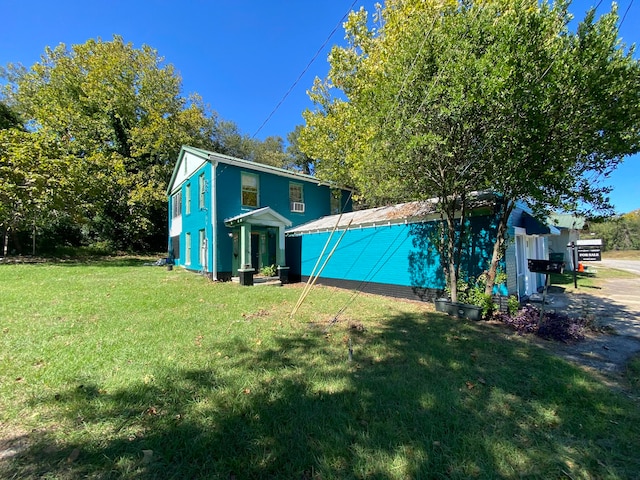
(547, 267)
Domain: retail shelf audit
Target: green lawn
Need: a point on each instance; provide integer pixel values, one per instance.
(622, 254)
(115, 370)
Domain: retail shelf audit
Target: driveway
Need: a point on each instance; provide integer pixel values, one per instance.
(632, 266)
(614, 305)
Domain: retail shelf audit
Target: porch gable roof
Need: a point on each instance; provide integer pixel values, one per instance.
(265, 216)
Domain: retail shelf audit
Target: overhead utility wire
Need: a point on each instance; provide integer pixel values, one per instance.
(625, 14)
(305, 69)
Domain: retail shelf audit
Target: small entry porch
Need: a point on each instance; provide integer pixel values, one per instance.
(258, 242)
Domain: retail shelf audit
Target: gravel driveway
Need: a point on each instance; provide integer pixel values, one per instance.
(615, 305)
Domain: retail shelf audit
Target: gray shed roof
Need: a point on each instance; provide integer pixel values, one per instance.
(393, 214)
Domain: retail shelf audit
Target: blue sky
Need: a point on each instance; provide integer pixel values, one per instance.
(241, 56)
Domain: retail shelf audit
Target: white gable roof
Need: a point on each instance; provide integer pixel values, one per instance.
(262, 216)
(191, 159)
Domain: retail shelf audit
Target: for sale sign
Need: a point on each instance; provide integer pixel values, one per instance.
(589, 250)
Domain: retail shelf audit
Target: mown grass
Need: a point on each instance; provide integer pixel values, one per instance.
(115, 370)
(587, 280)
(633, 374)
(622, 254)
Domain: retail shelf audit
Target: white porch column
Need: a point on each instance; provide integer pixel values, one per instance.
(245, 246)
(280, 255)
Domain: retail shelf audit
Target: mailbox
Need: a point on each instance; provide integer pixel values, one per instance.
(545, 266)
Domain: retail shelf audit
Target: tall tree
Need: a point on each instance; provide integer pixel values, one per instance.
(110, 102)
(298, 160)
(443, 98)
(38, 180)
(9, 118)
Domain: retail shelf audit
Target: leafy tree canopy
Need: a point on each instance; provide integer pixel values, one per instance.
(439, 99)
(621, 232)
(115, 115)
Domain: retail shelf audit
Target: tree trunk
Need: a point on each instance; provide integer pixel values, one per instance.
(5, 245)
(506, 209)
(461, 236)
(451, 257)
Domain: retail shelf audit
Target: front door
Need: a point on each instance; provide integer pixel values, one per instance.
(255, 251)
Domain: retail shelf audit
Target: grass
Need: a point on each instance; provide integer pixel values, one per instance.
(115, 370)
(588, 281)
(622, 254)
(633, 374)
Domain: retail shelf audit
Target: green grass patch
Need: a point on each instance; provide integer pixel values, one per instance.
(633, 374)
(587, 280)
(567, 280)
(622, 254)
(116, 370)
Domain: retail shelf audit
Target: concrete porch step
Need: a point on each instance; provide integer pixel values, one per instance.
(262, 281)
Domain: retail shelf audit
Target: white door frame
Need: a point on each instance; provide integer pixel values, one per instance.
(527, 246)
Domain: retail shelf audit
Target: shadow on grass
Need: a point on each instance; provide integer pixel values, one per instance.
(423, 398)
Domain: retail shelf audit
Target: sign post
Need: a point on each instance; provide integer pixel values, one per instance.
(585, 251)
(574, 261)
(590, 250)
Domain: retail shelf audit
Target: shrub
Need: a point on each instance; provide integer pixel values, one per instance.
(472, 293)
(513, 305)
(268, 271)
(554, 326)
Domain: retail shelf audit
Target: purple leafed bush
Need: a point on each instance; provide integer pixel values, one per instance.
(554, 326)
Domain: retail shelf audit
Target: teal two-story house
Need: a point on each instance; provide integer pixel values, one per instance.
(227, 216)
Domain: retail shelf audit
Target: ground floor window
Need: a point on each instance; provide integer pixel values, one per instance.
(202, 247)
(174, 249)
(187, 248)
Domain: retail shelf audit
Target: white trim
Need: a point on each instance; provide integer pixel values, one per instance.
(261, 216)
(258, 167)
(297, 207)
(214, 221)
(188, 164)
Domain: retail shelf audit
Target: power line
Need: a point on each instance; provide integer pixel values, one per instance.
(625, 14)
(305, 69)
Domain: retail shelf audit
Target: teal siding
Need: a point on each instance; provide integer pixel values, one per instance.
(401, 254)
(273, 192)
(227, 186)
(198, 219)
(389, 254)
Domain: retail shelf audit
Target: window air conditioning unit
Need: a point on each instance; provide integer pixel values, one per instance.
(297, 207)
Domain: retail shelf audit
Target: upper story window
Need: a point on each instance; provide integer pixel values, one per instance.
(187, 200)
(201, 190)
(296, 197)
(335, 201)
(176, 205)
(250, 193)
